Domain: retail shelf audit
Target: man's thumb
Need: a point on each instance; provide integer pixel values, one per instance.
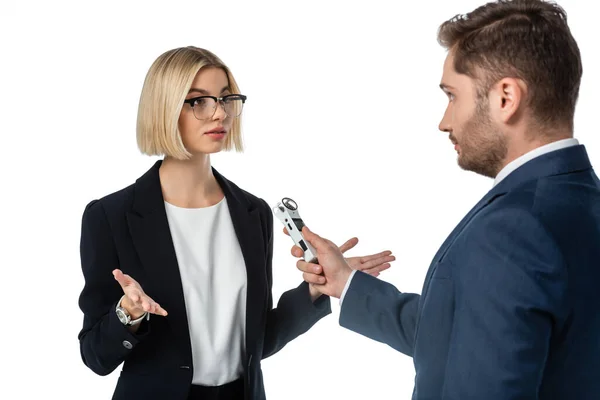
(119, 277)
(315, 240)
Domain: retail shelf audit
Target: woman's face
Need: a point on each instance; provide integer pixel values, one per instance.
(208, 134)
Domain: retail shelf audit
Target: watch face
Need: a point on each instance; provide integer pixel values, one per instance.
(122, 316)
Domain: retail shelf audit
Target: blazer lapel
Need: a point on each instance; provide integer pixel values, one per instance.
(487, 199)
(149, 229)
(249, 231)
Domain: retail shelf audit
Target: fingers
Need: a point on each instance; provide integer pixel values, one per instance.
(316, 241)
(311, 272)
(129, 285)
(349, 244)
(309, 267)
(376, 270)
(140, 302)
(297, 252)
(121, 278)
(286, 231)
(153, 307)
(160, 311)
(375, 256)
(314, 279)
(320, 244)
(375, 262)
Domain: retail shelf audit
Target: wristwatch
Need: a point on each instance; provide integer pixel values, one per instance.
(125, 318)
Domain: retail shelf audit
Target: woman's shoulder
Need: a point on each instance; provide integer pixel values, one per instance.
(115, 203)
(119, 202)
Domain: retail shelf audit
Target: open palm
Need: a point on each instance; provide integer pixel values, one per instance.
(372, 264)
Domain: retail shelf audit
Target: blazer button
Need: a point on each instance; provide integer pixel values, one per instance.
(127, 345)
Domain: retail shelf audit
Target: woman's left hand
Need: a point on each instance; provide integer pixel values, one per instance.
(372, 264)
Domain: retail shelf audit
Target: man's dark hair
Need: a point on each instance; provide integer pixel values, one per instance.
(525, 39)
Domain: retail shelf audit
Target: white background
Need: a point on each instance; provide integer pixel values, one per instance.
(342, 114)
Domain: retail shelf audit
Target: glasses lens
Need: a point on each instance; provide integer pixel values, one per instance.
(204, 108)
(233, 106)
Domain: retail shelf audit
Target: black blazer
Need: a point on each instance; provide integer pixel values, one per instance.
(129, 230)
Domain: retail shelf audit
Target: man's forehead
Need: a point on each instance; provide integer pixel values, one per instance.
(451, 78)
(449, 63)
(447, 73)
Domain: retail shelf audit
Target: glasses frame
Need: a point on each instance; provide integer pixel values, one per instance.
(218, 100)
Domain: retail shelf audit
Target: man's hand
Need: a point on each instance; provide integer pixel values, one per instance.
(332, 264)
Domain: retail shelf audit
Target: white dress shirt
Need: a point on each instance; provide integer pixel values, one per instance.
(213, 275)
(507, 170)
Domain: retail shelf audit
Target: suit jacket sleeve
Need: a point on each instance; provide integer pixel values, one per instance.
(295, 312)
(103, 336)
(510, 296)
(377, 310)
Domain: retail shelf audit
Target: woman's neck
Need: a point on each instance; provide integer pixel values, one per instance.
(189, 183)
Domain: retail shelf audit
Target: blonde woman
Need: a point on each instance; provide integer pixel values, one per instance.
(177, 266)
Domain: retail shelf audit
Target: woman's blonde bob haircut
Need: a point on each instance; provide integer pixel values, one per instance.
(166, 85)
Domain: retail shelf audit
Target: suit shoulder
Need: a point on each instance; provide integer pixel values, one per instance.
(514, 220)
(512, 211)
(548, 199)
(114, 203)
(518, 201)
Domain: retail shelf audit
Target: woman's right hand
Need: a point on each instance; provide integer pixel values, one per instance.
(136, 301)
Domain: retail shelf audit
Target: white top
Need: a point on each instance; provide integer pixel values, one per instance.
(507, 170)
(213, 275)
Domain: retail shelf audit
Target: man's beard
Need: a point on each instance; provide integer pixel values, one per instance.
(482, 147)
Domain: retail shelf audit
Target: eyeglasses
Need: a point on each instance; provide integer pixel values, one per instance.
(204, 107)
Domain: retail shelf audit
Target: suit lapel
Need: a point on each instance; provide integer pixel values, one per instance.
(149, 229)
(487, 199)
(249, 231)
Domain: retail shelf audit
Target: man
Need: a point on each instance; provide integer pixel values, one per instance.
(510, 307)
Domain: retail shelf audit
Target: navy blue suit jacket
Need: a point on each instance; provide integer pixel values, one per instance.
(510, 307)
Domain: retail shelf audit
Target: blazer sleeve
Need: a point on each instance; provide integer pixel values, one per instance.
(295, 312)
(377, 310)
(511, 294)
(104, 341)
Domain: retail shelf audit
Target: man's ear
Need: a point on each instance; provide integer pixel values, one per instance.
(506, 99)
